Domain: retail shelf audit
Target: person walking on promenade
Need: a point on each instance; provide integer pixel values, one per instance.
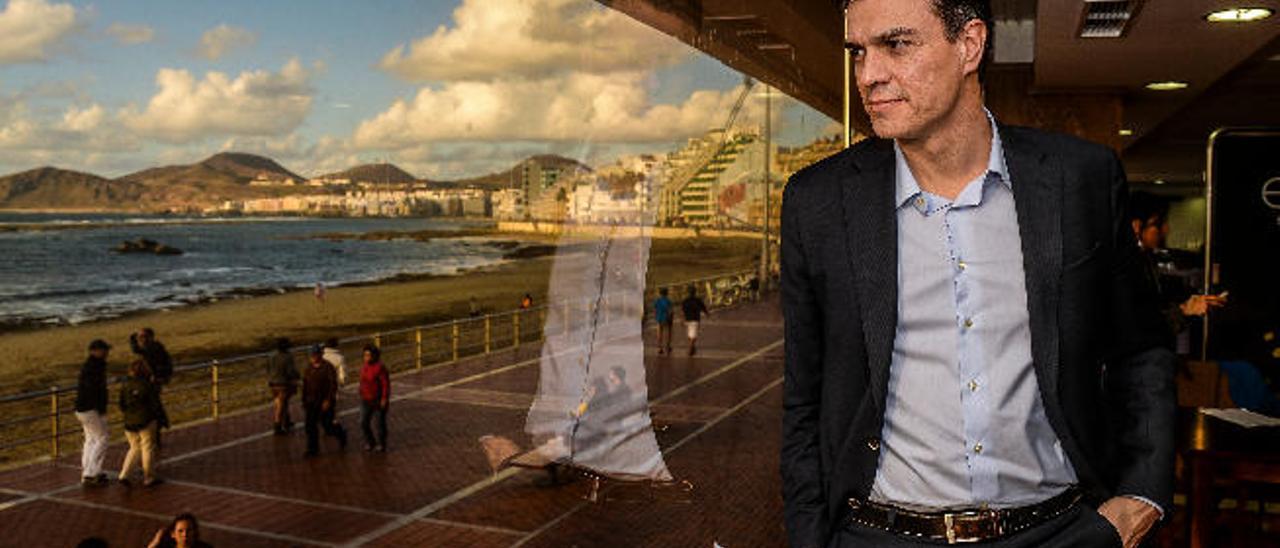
(333, 355)
(145, 345)
(91, 411)
(662, 314)
(694, 308)
(319, 391)
(183, 532)
(375, 395)
(282, 377)
(140, 403)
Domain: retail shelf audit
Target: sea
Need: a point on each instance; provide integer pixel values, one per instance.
(59, 269)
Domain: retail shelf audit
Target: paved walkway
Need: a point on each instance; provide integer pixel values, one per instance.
(720, 412)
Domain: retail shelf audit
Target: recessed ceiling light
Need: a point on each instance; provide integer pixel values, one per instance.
(1126, 132)
(1170, 85)
(1158, 181)
(1238, 15)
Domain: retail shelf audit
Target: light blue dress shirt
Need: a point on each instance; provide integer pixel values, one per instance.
(964, 423)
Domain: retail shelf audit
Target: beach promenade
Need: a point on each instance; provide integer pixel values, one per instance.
(718, 417)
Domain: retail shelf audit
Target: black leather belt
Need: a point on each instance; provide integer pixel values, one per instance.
(960, 526)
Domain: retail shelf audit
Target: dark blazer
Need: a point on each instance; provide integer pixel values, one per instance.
(1097, 342)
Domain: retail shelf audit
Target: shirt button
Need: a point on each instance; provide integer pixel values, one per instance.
(968, 322)
(963, 265)
(973, 386)
(920, 201)
(977, 448)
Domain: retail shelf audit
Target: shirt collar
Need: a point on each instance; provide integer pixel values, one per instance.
(908, 188)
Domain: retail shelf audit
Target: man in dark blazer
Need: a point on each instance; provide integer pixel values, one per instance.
(972, 351)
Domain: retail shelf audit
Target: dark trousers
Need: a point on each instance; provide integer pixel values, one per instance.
(317, 419)
(1079, 527)
(370, 411)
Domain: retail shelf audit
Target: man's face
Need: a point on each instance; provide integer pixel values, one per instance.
(908, 74)
(1153, 233)
(100, 353)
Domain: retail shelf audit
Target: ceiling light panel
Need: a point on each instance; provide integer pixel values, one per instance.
(1239, 15)
(1107, 18)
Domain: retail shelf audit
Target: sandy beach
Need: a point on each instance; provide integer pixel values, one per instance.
(35, 360)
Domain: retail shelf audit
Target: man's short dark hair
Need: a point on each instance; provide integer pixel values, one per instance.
(955, 14)
(1148, 208)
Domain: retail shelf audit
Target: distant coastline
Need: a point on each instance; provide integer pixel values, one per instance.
(28, 325)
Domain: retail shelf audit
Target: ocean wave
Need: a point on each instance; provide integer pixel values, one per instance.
(197, 272)
(52, 294)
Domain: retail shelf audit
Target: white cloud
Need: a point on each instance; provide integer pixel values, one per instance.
(578, 107)
(298, 153)
(501, 39)
(28, 28)
(222, 39)
(83, 120)
(83, 136)
(254, 103)
(131, 34)
(545, 73)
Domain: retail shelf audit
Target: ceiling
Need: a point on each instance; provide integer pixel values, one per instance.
(1233, 70)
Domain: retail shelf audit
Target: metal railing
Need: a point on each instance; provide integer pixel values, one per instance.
(212, 389)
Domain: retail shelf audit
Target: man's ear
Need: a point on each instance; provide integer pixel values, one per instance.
(973, 44)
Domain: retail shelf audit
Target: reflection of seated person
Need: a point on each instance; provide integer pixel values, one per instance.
(1174, 273)
(601, 415)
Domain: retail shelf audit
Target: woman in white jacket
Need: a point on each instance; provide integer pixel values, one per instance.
(333, 355)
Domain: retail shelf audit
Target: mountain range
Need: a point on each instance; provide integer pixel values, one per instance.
(377, 173)
(223, 176)
(509, 178)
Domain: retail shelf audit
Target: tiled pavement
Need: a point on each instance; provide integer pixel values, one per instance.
(719, 415)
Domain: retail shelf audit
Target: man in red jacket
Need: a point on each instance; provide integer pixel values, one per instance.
(375, 394)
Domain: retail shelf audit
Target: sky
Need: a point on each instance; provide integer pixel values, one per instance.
(443, 88)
